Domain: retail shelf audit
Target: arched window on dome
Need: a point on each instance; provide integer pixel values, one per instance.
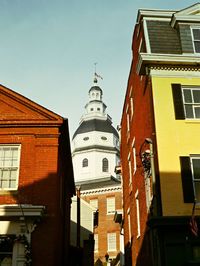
(85, 162)
(105, 165)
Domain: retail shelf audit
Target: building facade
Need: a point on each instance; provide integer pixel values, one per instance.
(36, 183)
(95, 154)
(159, 140)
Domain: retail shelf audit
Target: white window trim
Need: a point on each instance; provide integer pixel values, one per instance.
(134, 156)
(193, 40)
(130, 169)
(137, 213)
(129, 224)
(127, 122)
(96, 243)
(113, 243)
(132, 107)
(17, 166)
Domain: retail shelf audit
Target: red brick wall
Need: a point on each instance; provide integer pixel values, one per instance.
(106, 223)
(141, 127)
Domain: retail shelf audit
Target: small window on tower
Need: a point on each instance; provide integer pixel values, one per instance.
(85, 162)
(98, 109)
(91, 109)
(105, 165)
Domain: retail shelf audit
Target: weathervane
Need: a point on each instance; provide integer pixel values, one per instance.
(96, 76)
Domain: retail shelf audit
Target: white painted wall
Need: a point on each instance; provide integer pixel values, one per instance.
(86, 213)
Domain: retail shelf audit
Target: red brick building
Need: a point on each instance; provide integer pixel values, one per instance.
(36, 183)
(107, 237)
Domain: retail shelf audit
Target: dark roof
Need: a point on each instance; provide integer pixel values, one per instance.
(96, 125)
(95, 88)
(99, 183)
(163, 38)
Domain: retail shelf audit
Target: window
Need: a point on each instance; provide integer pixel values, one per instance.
(130, 169)
(9, 166)
(191, 101)
(85, 162)
(6, 248)
(190, 173)
(111, 238)
(134, 157)
(105, 165)
(96, 242)
(94, 203)
(186, 101)
(137, 213)
(196, 39)
(132, 107)
(129, 224)
(110, 205)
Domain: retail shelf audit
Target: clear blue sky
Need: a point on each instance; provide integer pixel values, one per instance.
(48, 49)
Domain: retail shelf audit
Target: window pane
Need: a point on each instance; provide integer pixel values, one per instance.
(14, 153)
(196, 167)
(196, 96)
(5, 184)
(197, 46)
(13, 184)
(5, 174)
(13, 174)
(197, 111)
(187, 96)
(7, 162)
(196, 34)
(197, 190)
(188, 111)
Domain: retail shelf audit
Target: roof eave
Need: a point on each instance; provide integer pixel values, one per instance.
(147, 60)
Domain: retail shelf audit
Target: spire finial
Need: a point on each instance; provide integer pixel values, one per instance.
(96, 76)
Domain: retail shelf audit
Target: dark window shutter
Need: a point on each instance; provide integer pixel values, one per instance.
(187, 183)
(178, 101)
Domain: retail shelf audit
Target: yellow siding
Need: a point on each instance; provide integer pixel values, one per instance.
(175, 138)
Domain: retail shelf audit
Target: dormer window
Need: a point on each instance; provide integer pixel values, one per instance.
(196, 39)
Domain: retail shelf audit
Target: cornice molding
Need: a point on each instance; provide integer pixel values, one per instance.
(173, 71)
(19, 210)
(101, 190)
(146, 61)
(152, 13)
